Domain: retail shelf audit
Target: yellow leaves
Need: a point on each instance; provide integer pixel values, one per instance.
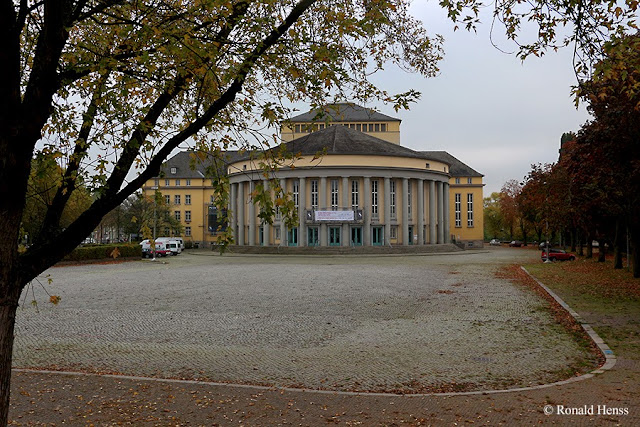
(54, 299)
(115, 253)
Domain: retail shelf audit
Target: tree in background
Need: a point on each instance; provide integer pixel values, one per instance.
(493, 220)
(509, 206)
(109, 87)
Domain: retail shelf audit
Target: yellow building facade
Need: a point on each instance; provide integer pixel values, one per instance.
(363, 191)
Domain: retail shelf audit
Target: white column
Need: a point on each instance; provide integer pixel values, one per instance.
(322, 205)
(387, 211)
(346, 236)
(265, 225)
(440, 212)
(432, 212)
(302, 203)
(366, 207)
(406, 239)
(241, 203)
(447, 231)
(420, 185)
(233, 211)
(252, 215)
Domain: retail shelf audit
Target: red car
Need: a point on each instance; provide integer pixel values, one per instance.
(557, 255)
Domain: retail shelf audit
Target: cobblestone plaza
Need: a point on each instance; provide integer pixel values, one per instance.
(376, 323)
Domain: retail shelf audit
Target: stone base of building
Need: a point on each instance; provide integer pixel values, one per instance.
(470, 244)
(343, 250)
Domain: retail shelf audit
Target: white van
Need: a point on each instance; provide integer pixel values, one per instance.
(174, 244)
(147, 251)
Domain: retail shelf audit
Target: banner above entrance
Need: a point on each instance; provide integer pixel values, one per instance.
(334, 215)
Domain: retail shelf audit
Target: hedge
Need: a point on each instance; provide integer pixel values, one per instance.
(125, 250)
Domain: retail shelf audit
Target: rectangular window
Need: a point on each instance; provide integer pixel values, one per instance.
(392, 198)
(354, 195)
(409, 199)
(176, 199)
(187, 199)
(370, 127)
(296, 193)
(187, 231)
(187, 216)
(278, 214)
(177, 215)
(359, 127)
(297, 129)
(167, 200)
(468, 180)
(457, 180)
(393, 232)
(277, 233)
(188, 183)
(458, 209)
(173, 171)
(167, 182)
(217, 220)
(334, 194)
(314, 193)
(156, 182)
(374, 198)
(383, 127)
(377, 127)
(470, 210)
(177, 182)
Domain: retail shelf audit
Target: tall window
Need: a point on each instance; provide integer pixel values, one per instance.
(177, 215)
(314, 193)
(177, 182)
(392, 197)
(187, 216)
(296, 193)
(469, 181)
(167, 182)
(458, 200)
(334, 194)
(457, 180)
(188, 182)
(156, 182)
(176, 199)
(167, 200)
(374, 197)
(187, 199)
(470, 210)
(409, 199)
(187, 231)
(354, 195)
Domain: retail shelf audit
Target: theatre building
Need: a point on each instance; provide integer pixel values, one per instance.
(364, 190)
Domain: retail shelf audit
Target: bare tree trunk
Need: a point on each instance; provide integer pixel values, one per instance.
(7, 325)
(589, 246)
(602, 251)
(617, 246)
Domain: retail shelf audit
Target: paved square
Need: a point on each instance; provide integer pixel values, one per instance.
(376, 323)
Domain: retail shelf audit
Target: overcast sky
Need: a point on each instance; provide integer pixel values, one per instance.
(487, 108)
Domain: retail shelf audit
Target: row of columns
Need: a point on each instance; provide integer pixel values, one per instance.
(438, 212)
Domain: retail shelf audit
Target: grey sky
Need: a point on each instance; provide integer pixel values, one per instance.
(487, 108)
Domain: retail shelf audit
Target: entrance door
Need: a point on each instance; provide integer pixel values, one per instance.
(376, 236)
(312, 236)
(410, 236)
(334, 236)
(356, 236)
(293, 236)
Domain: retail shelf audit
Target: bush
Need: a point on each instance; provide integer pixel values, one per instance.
(125, 250)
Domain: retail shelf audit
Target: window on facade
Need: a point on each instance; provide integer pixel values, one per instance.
(409, 199)
(176, 214)
(216, 219)
(359, 127)
(167, 182)
(334, 194)
(297, 128)
(187, 231)
(188, 183)
(374, 197)
(167, 200)
(211, 199)
(393, 232)
(457, 180)
(392, 198)
(173, 170)
(321, 126)
(176, 199)
(314, 193)
(370, 127)
(156, 182)
(187, 216)
(470, 210)
(177, 182)
(427, 165)
(277, 233)
(468, 180)
(458, 209)
(383, 127)
(354, 195)
(187, 199)
(278, 213)
(296, 193)
(377, 127)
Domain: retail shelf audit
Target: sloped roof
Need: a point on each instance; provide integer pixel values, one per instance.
(457, 168)
(189, 166)
(343, 112)
(338, 139)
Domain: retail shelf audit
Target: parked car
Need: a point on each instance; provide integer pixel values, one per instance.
(494, 242)
(147, 251)
(557, 255)
(515, 243)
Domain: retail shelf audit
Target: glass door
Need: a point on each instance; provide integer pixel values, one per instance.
(312, 236)
(293, 236)
(356, 236)
(334, 236)
(376, 236)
